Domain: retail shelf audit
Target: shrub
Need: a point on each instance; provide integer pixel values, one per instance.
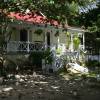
(36, 57)
(58, 50)
(48, 56)
(92, 63)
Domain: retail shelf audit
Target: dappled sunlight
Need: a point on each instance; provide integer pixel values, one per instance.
(40, 82)
(37, 86)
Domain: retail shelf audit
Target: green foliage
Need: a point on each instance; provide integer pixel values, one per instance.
(48, 56)
(57, 33)
(58, 50)
(93, 63)
(76, 42)
(56, 9)
(73, 8)
(1, 41)
(92, 29)
(91, 19)
(38, 31)
(68, 34)
(92, 42)
(36, 57)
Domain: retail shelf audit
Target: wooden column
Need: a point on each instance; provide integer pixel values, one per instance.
(83, 41)
(28, 41)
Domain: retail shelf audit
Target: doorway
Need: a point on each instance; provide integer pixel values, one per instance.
(48, 39)
(23, 35)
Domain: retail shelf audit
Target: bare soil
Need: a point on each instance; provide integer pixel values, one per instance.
(49, 87)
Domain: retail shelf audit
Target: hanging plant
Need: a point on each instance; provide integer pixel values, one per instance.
(38, 31)
(67, 34)
(76, 42)
(57, 33)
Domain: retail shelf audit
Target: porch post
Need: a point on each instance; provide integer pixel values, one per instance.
(83, 41)
(28, 49)
(71, 45)
(45, 39)
(58, 42)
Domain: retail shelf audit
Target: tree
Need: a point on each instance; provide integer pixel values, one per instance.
(91, 18)
(56, 9)
(91, 21)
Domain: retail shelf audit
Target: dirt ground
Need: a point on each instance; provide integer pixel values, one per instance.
(49, 87)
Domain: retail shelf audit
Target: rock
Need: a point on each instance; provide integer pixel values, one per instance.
(21, 80)
(17, 83)
(34, 74)
(1, 80)
(76, 68)
(0, 91)
(75, 93)
(7, 89)
(17, 76)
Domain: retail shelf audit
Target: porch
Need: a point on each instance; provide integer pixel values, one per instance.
(23, 46)
(28, 47)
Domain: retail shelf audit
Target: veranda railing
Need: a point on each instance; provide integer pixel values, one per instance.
(15, 46)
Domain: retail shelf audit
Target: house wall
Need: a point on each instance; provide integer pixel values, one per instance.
(36, 37)
(15, 35)
(32, 37)
(43, 37)
(62, 37)
(53, 38)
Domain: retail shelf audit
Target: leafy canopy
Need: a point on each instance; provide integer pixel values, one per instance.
(56, 9)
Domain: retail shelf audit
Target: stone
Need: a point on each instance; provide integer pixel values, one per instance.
(17, 76)
(76, 68)
(7, 89)
(21, 80)
(1, 80)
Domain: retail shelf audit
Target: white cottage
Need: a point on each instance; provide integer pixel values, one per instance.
(30, 32)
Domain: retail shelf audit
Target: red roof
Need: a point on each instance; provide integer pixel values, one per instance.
(33, 17)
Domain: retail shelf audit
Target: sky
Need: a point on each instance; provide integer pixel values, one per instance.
(90, 6)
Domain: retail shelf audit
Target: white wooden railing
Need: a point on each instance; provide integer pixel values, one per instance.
(17, 46)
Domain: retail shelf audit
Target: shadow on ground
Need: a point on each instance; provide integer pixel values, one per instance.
(38, 86)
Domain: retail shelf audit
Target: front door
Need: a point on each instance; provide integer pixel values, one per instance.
(48, 39)
(23, 35)
(23, 38)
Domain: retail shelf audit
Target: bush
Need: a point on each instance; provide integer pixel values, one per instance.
(48, 56)
(93, 63)
(36, 57)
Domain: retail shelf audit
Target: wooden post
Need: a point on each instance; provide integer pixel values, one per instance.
(43, 66)
(28, 49)
(83, 41)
